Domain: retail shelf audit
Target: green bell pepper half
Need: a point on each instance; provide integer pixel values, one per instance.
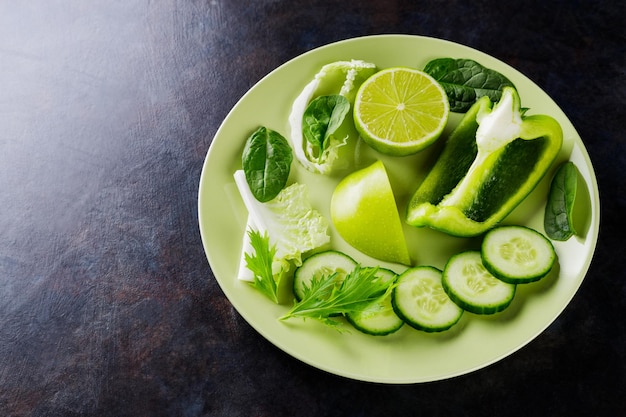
(491, 161)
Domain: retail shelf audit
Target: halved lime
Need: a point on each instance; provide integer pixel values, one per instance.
(400, 111)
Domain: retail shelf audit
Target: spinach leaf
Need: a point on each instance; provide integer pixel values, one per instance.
(558, 220)
(322, 118)
(465, 81)
(266, 161)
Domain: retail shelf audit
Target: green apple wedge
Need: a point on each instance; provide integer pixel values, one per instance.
(364, 212)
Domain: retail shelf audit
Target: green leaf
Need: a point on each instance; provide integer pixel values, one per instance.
(322, 118)
(266, 161)
(340, 152)
(260, 263)
(291, 222)
(323, 298)
(465, 81)
(558, 220)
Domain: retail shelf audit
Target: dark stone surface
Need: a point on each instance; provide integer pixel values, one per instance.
(107, 304)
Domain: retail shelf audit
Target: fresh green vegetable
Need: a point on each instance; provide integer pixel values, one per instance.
(517, 254)
(291, 223)
(419, 299)
(559, 218)
(325, 263)
(266, 161)
(465, 81)
(323, 298)
(260, 263)
(492, 160)
(339, 151)
(489, 164)
(468, 283)
(321, 119)
(378, 318)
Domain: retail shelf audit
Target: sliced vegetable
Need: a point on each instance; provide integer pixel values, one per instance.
(339, 148)
(419, 299)
(558, 220)
(517, 254)
(293, 226)
(266, 161)
(323, 298)
(468, 283)
(465, 81)
(378, 318)
(492, 160)
(321, 264)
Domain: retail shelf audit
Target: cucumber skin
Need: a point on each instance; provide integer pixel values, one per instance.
(364, 328)
(526, 279)
(483, 311)
(368, 330)
(472, 308)
(411, 322)
(514, 281)
(427, 329)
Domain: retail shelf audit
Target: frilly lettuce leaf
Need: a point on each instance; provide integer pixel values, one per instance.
(293, 226)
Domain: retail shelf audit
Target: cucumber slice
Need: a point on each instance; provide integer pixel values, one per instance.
(517, 254)
(321, 264)
(379, 319)
(419, 300)
(470, 285)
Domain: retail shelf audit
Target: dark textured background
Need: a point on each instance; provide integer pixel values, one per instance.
(107, 303)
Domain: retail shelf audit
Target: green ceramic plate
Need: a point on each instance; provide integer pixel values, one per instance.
(408, 356)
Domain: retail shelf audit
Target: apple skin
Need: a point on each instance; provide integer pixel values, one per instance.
(364, 212)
